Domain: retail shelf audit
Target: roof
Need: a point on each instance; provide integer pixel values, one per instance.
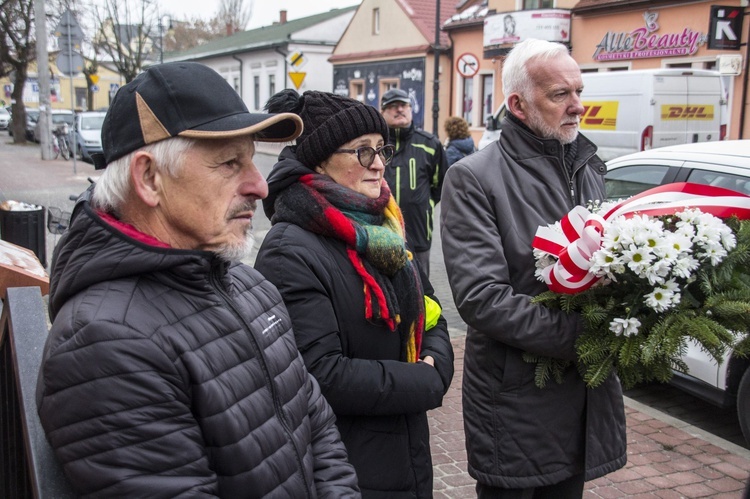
(473, 15)
(259, 38)
(422, 14)
(587, 6)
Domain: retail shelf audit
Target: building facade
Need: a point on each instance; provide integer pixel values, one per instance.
(603, 35)
(392, 44)
(288, 54)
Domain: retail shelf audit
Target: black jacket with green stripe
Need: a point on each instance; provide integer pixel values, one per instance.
(415, 176)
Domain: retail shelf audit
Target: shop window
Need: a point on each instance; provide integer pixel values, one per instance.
(488, 83)
(357, 90)
(387, 84)
(467, 99)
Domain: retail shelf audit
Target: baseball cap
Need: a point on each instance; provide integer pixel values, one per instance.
(394, 95)
(184, 99)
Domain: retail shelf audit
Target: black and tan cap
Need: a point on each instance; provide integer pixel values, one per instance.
(184, 99)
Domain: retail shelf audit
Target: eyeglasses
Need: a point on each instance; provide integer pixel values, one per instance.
(366, 154)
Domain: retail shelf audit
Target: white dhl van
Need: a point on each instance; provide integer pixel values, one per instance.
(631, 111)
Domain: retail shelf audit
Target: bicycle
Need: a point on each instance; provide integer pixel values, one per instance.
(60, 144)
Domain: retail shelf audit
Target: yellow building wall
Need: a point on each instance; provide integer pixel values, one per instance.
(61, 89)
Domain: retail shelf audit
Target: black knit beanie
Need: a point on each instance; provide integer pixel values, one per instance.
(330, 121)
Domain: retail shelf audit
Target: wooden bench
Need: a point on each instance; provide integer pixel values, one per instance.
(28, 467)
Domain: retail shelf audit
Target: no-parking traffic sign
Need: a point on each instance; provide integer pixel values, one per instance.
(467, 65)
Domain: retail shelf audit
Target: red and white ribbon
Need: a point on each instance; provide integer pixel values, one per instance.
(582, 230)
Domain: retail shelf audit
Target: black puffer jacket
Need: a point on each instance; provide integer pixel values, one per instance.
(415, 176)
(518, 435)
(171, 373)
(380, 402)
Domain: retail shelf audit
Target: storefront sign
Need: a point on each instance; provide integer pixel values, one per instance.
(512, 27)
(645, 42)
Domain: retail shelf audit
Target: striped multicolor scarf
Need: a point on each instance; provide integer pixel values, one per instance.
(373, 231)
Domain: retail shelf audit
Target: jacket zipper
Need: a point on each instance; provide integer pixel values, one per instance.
(215, 282)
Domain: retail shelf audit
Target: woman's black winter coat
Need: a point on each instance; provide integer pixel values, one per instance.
(380, 402)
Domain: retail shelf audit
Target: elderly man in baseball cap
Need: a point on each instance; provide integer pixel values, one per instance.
(171, 368)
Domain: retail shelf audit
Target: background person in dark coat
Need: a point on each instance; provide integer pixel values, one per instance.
(524, 441)
(170, 369)
(379, 349)
(460, 144)
(415, 174)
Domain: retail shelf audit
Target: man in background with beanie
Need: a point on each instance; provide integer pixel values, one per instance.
(171, 368)
(416, 172)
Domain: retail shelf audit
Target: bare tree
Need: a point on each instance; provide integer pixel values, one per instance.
(17, 50)
(128, 35)
(183, 35)
(234, 15)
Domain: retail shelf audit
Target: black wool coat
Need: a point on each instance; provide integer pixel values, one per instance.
(379, 401)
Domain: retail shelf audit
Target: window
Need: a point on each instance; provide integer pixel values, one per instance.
(81, 98)
(387, 84)
(720, 179)
(630, 180)
(468, 99)
(488, 83)
(538, 4)
(236, 84)
(357, 90)
(375, 21)
(256, 91)
(271, 85)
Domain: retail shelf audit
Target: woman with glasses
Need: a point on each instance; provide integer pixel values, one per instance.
(364, 317)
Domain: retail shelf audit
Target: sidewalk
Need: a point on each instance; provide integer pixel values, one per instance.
(666, 458)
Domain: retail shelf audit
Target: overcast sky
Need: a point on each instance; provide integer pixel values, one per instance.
(265, 12)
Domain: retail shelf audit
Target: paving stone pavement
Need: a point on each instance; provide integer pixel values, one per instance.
(666, 458)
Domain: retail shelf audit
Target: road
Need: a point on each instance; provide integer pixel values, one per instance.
(25, 177)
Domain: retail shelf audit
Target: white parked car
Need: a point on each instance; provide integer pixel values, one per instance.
(4, 118)
(722, 164)
(88, 137)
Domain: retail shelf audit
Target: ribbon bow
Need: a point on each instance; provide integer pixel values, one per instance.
(582, 230)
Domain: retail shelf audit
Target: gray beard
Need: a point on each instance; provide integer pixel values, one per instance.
(537, 124)
(236, 252)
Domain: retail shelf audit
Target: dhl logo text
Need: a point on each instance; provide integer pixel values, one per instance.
(687, 112)
(599, 115)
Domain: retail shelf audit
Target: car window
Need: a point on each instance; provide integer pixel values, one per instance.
(92, 122)
(720, 179)
(58, 119)
(630, 180)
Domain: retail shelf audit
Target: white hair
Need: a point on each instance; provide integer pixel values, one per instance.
(515, 67)
(114, 185)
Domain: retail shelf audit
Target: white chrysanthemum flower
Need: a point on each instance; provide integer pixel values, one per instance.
(728, 240)
(682, 243)
(626, 327)
(658, 271)
(660, 299)
(637, 259)
(716, 254)
(685, 266)
(602, 261)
